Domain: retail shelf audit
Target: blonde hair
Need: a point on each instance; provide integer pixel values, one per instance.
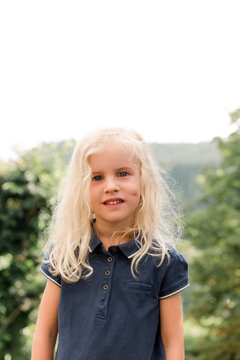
(156, 221)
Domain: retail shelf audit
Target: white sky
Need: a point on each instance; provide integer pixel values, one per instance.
(170, 69)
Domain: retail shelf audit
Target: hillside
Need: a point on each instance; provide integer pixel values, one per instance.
(184, 162)
(170, 155)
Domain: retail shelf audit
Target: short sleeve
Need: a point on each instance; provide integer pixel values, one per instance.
(45, 268)
(176, 275)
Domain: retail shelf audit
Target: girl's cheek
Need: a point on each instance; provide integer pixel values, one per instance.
(136, 192)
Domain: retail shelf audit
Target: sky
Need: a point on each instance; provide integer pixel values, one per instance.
(169, 69)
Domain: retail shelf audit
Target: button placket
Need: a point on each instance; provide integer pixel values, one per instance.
(107, 273)
(106, 287)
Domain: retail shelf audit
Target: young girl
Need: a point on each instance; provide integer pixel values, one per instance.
(113, 277)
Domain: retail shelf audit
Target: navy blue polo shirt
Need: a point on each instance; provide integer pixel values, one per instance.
(112, 315)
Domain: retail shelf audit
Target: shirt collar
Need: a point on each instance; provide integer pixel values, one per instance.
(128, 249)
(94, 242)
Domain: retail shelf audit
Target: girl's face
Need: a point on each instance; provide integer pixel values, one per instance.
(115, 187)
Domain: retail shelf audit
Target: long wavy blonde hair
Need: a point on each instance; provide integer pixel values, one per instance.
(156, 222)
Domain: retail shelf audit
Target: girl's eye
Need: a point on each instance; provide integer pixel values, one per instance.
(97, 178)
(123, 174)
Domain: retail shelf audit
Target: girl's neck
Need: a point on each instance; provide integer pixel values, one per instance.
(105, 234)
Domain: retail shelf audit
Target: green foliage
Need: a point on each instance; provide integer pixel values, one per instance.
(21, 207)
(27, 191)
(215, 269)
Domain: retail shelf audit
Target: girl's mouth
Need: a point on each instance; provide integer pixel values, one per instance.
(113, 202)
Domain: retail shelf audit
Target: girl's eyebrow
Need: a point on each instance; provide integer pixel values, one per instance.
(124, 168)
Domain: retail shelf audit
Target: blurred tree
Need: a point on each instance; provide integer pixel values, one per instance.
(215, 270)
(21, 206)
(27, 191)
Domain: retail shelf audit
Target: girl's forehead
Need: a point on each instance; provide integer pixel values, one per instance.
(113, 154)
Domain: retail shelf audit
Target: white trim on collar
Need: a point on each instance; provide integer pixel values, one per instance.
(132, 255)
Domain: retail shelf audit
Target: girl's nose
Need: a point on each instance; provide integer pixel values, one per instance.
(111, 187)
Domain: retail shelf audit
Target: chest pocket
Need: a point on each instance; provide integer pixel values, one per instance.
(141, 291)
